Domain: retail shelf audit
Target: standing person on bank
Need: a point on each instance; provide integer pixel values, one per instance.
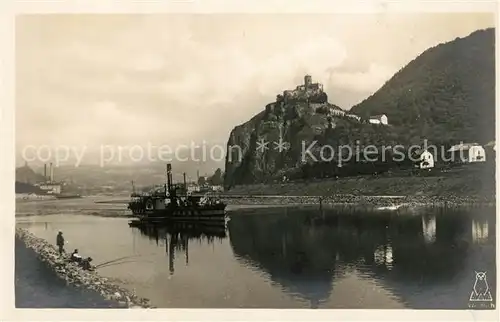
(60, 242)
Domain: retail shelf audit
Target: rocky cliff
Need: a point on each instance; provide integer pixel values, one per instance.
(445, 95)
(254, 150)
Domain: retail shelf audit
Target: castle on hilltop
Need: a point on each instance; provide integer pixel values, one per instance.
(306, 91)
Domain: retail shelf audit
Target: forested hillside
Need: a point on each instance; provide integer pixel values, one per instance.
(446, 94)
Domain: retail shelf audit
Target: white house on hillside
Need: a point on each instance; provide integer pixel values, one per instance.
(426, 160)
(378, 119)
(468, 153)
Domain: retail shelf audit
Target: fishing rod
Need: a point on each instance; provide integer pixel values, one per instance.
(124, 262)
(118, 259)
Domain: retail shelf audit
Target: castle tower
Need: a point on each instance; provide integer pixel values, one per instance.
(307, 81)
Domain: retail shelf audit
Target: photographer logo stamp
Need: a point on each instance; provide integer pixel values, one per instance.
(480, 296)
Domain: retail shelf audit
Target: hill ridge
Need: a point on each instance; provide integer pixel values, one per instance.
(445, 95)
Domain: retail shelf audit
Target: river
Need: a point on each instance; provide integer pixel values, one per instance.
(294, 257)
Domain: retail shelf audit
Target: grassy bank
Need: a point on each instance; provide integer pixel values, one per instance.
(474, 183)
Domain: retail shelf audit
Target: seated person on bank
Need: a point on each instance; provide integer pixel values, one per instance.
(85, 264)
(75, 257)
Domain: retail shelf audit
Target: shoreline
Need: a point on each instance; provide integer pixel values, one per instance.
(72, 274)
(364, 201)
(235, 202)
(38, 286)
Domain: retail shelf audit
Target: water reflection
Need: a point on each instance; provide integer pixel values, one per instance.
(425, 260)
(480, 231)
(429, 228)
(383, 256)
(175, 237)
(306, 251)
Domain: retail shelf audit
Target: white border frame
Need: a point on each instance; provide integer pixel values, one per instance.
(8, 11)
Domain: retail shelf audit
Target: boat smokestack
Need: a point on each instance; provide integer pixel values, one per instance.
(169, 177)
(45, 171)
(51, 173)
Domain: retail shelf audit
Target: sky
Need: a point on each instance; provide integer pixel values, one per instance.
(91, 80)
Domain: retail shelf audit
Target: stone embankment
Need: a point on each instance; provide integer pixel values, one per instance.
(75, 275)
(363, 201)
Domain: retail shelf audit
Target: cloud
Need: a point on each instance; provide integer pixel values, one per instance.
(312, 56)
(144, 87)
(367, 81)
(122, 78)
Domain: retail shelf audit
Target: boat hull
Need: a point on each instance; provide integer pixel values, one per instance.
(158, 207)
(183, 214)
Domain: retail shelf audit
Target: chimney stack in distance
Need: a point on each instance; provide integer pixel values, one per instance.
(45, 172)
(51, 173)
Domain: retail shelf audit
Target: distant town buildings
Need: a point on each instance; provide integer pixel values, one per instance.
(492, 145)
(49, 186)
(33, 196)
(429, 229)
(31, 185)
(317, 100)
(193, 188)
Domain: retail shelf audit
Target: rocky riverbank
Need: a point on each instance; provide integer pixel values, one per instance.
(76, 276)
(464, 182)
(466, 186)
(38, 286)
(363, 201)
